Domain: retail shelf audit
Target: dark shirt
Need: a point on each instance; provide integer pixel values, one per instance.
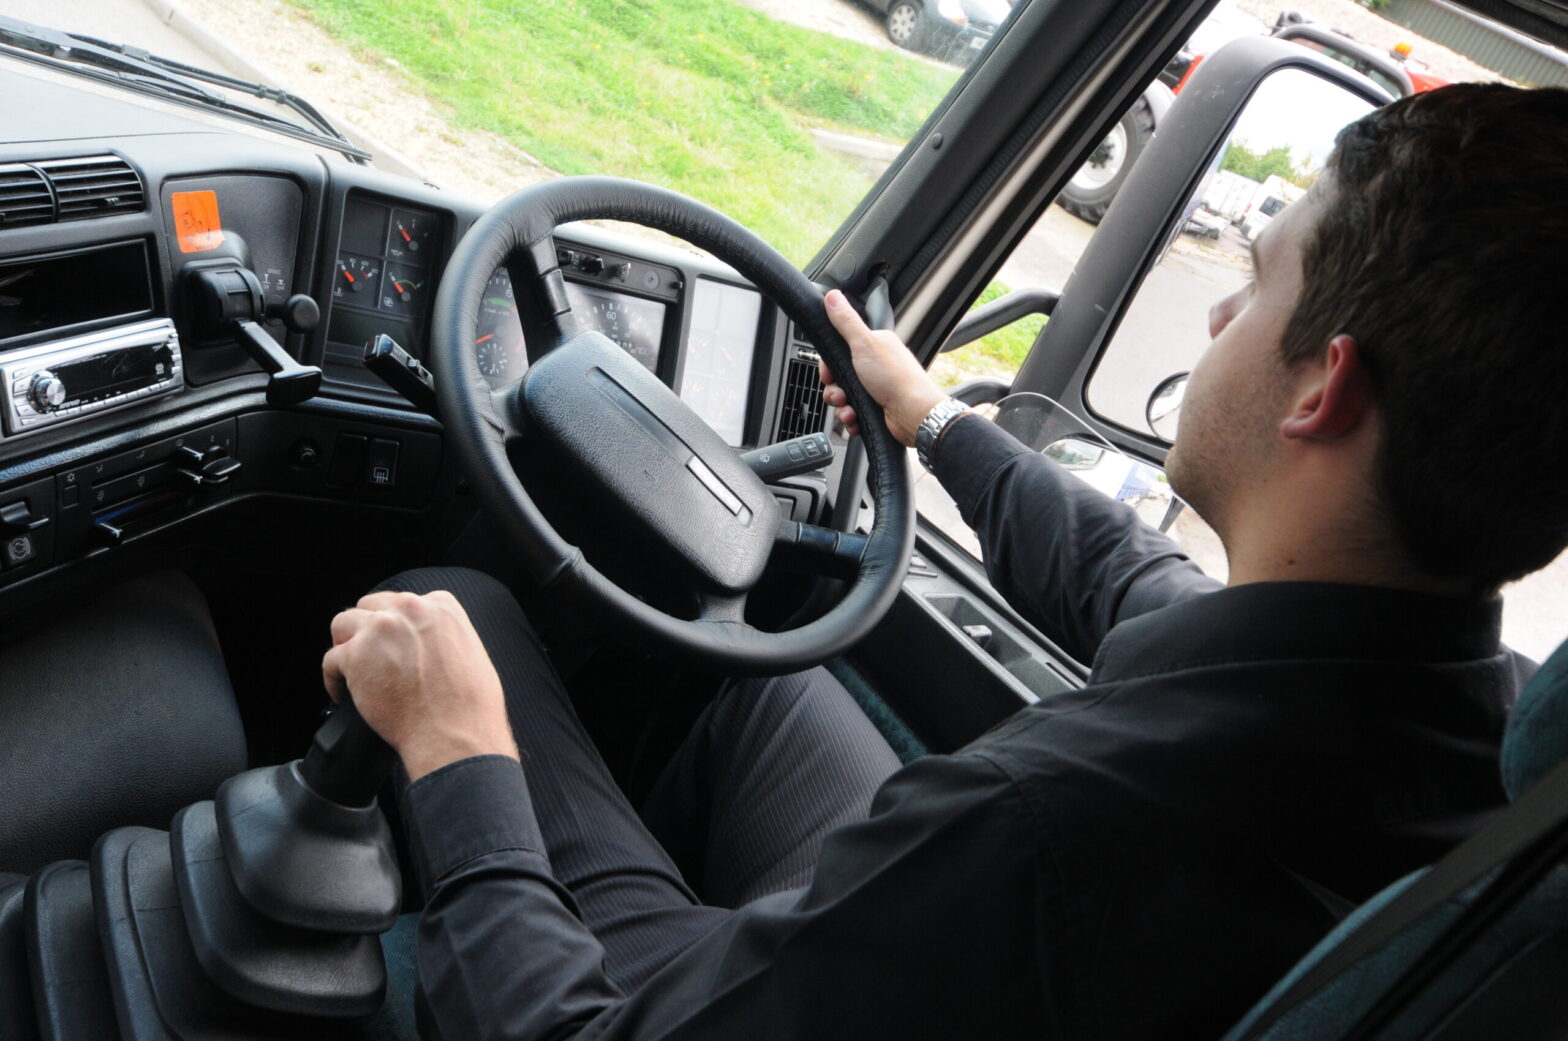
(1141, 858)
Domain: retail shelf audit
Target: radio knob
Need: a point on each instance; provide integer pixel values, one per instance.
(46, 392)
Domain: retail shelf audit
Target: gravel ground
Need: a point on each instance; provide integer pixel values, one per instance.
(372, 94)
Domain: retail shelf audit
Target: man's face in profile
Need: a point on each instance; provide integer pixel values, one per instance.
(1240, 388)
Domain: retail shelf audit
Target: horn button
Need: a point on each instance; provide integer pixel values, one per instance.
(629, 435)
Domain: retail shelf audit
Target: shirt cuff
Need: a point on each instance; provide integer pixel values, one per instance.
(968, 457)
(469, 808)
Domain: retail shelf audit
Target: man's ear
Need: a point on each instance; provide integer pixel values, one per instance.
(1338, 398)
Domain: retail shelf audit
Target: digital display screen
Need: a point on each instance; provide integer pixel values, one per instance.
(38, 296)
(719, 349)
(634, 323)
(104, 375)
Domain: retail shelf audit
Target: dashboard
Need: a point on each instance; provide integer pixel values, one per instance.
(690, 321)
(168, 280)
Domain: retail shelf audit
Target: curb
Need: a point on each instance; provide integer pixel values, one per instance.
(181, 21)
(864, 148)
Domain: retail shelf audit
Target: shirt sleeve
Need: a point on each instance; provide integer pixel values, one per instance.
(936, 899)
(501, 951)
(1067, 557)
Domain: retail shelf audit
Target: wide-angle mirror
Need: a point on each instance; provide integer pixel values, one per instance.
(1046, 426)
(1275, 151)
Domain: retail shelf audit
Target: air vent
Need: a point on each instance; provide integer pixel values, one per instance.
(802, 410)
(52, 190)
(93, 186)
(24, 197)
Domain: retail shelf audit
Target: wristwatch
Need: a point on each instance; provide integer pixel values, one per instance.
(934, 426)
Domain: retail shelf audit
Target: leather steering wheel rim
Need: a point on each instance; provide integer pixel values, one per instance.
(478, 431)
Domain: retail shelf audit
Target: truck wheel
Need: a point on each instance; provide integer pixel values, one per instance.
(1089, 193)
(904, 26)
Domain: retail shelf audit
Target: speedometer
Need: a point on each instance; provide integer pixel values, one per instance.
(635, 324)
(498, 337)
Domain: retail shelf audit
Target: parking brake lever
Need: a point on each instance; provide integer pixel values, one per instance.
(229, 299)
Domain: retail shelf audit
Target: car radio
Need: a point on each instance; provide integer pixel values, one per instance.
(84, 375)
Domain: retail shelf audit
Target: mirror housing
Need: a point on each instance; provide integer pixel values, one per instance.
(1164, 404)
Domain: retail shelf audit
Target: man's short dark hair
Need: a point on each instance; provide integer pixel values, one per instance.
(1443, 250)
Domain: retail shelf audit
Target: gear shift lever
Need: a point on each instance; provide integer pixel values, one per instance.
(306, 842)
(347, 762)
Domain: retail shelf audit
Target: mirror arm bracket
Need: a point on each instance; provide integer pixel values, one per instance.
(999, 314)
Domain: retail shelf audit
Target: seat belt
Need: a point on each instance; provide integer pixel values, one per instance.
(1531, 829)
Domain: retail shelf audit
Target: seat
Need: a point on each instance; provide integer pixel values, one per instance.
(119, 713)
(1504, 978)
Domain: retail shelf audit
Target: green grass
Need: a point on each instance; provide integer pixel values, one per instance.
(1007, 346)
(704, 96)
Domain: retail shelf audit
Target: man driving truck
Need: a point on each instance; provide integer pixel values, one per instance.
(1139, 858)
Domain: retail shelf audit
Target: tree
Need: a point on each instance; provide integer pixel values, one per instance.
(1258, 166)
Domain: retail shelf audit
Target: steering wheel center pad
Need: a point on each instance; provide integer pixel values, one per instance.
(478, 431)
(678, 482)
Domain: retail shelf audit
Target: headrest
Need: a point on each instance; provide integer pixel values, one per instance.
(1537, 736)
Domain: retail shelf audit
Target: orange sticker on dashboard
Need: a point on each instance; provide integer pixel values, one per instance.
(197, 225)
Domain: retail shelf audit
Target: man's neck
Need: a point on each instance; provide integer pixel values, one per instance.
(1308, 543)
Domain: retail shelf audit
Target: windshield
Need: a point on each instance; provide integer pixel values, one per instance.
(780, 115)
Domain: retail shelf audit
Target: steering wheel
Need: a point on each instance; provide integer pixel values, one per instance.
(674, 482)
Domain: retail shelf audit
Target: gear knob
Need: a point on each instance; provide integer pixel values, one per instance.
(347, 762)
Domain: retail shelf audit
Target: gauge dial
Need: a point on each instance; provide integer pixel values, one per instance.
(358, 279)
(403, 290)
(637, 325)
(412, 239)
(498, 337)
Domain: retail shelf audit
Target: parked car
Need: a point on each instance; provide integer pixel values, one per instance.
(1205, 224)
(953, 30)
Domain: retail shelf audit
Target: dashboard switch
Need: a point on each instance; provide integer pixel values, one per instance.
(19, 549)
(17, 516)
(381, 463)
(348, 460)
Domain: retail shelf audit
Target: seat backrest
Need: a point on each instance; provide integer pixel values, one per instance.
(1515, 969)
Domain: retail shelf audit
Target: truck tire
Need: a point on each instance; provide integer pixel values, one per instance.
(1089, 193)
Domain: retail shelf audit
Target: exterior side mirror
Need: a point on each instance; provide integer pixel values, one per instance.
(1161, 413)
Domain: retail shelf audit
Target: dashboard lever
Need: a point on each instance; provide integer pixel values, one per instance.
(291, 382)
(788, 458)
(228, 299)
(402, 372)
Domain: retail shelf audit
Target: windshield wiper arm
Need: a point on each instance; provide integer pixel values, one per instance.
(138, 66)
